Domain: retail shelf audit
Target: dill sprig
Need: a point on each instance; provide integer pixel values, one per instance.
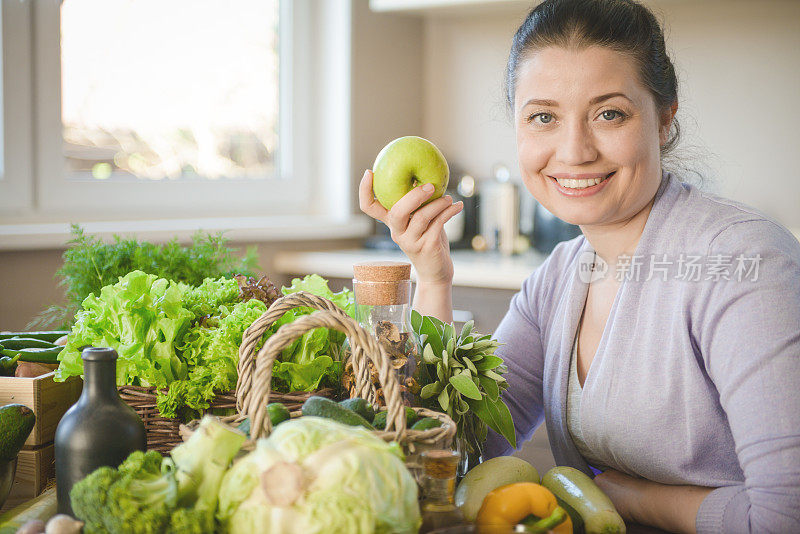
(90, 264)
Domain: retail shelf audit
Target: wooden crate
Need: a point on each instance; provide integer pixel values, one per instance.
(35, 467)
(48, 400)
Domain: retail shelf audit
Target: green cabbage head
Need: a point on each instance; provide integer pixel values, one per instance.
(314, 475)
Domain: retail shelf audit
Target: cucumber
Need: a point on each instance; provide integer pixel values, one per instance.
(17, 343)
(8, 366)
(322, 407)
(585, 498)
(46, 355)
(360, 406)
(380, 419)
(426, 423)
(49, 335)
(277, 412)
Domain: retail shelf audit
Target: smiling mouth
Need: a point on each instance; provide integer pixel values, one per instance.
(572, 183)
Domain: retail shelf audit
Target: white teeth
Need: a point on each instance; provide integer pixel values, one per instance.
(579, 184)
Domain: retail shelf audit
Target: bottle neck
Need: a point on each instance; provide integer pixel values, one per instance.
(100, 380)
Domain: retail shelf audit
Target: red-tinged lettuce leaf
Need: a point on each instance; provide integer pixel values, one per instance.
(317, 285)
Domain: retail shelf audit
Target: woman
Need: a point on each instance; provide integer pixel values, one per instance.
(672, 365)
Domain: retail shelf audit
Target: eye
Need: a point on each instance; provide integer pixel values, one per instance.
(612, 114)
(543, 118)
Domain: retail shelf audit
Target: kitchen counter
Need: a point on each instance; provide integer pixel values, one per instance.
(471, 269)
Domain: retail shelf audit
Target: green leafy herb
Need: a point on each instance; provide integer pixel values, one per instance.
(460, 374)
(90, 264)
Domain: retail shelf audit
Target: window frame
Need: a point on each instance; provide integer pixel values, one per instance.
(16, 185)
(309, 131)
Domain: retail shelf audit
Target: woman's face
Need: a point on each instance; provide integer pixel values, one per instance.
(583, 116)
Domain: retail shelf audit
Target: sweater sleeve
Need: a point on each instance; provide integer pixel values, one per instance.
(522, 352)
(750, 341)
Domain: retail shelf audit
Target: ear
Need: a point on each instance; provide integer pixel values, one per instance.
(665, 122)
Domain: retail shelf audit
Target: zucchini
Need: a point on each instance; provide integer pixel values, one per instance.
(8, 366)
(360, 406)
(47, 355)
(426, 423)
(49, 335)
(42, 507)
(323, 407)
(17, 343)
(585, 498)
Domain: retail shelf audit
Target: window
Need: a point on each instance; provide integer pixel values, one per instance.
(176, 109)
(180, 90)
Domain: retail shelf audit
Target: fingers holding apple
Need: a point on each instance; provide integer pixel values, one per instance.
(367, 201)
(399, 217)
(426, 218)
(406, 163)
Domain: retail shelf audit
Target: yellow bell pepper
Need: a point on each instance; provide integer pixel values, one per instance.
(507, 506)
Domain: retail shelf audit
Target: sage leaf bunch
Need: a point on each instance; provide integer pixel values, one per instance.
(462, 376)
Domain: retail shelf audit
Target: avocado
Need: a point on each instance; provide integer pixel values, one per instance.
(426, 423)
(322, 407)
(16, 424)
(359, 406)
(380, 419)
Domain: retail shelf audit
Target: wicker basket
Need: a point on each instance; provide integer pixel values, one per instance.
(256, 376)
(165, 433)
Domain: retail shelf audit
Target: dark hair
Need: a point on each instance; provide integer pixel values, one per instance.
(622, 25)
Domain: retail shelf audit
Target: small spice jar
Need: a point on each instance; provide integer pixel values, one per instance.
(383, 307)
(438, 488)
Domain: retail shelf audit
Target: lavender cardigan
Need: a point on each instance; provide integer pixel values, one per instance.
(694, 381)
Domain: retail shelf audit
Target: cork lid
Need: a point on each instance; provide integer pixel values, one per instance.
(382, 271)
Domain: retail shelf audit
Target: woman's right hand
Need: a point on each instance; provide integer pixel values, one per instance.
(418, 231)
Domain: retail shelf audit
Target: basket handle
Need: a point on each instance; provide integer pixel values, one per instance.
(251, 337)
(254, 404)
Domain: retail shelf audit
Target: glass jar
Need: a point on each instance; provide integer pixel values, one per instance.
(438, 489)
(383, 308)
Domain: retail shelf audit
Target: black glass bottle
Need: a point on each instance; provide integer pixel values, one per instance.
(99, 429)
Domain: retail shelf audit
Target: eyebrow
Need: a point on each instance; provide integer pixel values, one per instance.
(593, 101)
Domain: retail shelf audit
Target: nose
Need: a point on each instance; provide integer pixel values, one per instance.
(576, 145)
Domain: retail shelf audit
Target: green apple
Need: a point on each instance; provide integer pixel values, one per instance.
(406, 163)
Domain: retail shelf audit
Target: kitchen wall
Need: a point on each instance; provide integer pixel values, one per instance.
(739, 72)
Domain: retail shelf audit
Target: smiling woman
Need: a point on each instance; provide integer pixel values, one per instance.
(589, 134)
(661, 346)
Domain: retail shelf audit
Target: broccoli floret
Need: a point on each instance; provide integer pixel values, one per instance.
(137, 497)
(191, 521)
(142, 500)
(149, 494)
(89, 498)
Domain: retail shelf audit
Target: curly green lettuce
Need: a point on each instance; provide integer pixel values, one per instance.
(142, 317)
